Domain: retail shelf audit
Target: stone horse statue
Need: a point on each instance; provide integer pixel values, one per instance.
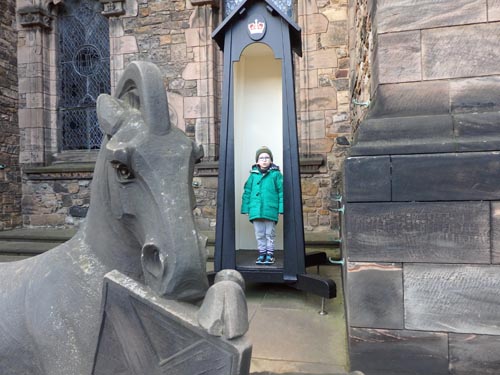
(140, 222)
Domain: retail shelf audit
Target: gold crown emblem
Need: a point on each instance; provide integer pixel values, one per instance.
(256, 27)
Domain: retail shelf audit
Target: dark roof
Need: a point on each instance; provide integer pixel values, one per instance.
(295, 30)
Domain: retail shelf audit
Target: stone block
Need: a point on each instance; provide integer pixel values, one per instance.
(477, 131)
(411, 99)
(493, 10)
(495, 232)
(375, 295)
(399, 15)
(437, 232)
(445, 177)
(477, 55)
(395, 352)
(438, 298)
(321, 59)
(193, 37)
(375, 172)
(399, 57)
(195, 107)
(320, 98)
(336, 35)
(336, 14)
(404, 135)
(475, 94)
(474, 354)
(126, 44)
(315, 23)
(195, 71)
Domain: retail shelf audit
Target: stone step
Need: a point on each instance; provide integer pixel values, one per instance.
(38, 234)
(26, 247)
(25, 242)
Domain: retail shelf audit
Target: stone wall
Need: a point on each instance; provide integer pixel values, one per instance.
(323, 105)
(10, 175)
(361, 51)
(176, 35)
(55, 196)
(422, 194)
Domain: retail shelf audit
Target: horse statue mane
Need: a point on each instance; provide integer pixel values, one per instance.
(140, 222)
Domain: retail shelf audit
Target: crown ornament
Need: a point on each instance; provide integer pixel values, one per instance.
(256, 27)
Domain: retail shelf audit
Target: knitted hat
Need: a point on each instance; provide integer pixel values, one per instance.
(262, 150)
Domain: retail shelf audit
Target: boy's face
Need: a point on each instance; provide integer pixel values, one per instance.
(264, 160)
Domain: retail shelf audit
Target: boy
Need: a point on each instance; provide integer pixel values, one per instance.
(262, 201)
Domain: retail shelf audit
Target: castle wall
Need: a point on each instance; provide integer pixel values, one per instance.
(176, 35)
(10, 175)
(421, 194)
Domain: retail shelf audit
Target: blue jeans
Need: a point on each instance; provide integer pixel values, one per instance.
(265, 233)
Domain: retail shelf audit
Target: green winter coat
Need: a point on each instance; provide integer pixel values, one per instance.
(263, 194)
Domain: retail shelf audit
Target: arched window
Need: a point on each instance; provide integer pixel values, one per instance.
(83, 72)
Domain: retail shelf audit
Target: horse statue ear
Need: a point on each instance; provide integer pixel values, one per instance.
(198, 152)
(110, 113)
(143, 81)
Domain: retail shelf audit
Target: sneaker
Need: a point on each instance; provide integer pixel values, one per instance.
(261, 259)
(269, 259)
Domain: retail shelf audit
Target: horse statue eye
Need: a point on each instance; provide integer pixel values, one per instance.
(123, 171)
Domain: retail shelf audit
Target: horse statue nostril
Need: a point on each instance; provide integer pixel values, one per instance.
(151, 261)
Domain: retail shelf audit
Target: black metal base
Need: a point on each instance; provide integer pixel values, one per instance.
(311, 283)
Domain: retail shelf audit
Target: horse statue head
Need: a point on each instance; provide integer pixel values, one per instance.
(142, 191)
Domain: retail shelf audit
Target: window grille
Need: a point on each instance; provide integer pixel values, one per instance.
(286, 6)
(84, 72)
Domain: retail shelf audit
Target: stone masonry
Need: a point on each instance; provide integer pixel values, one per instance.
(322, 105)
(422, 192)
(10, 175)
(176, 35)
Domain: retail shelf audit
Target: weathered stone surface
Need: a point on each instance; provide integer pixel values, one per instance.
(141, 333)
(315, 23)
(399, 57)
(224, 309)
(475, 94)
(398, 15)
(446, 232)
(477, 131)
(336, 34)
(320, 98)
(474, 354)
(404, 135)
(375, 172)
(375, 295)
(411, 99)
(10, 174)
(438, 298)
(396, 352)
(493, 10)
(477, 55)
(441, 177)
(321, 59)
(495, 232)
